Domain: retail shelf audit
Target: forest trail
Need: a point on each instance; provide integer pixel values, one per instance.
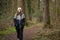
(28, 34)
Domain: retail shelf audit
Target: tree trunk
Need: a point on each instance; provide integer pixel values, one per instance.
(46, 14)
(23, 5)
(38, 4)
(29, 9)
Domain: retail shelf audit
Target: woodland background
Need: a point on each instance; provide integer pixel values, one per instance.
(45, 12)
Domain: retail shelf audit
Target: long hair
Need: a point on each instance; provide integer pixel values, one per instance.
(19, 10)
(19, 13)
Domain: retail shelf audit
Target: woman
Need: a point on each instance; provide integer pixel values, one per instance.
(19, 22)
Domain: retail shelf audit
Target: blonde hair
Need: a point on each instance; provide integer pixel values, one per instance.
(19, 8)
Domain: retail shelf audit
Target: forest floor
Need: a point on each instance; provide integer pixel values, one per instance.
(29, 33)
(36, 32)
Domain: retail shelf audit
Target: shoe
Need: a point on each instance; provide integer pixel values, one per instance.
(17, 39)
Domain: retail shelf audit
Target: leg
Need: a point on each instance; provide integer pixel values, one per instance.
(21, 34)
(17, 30)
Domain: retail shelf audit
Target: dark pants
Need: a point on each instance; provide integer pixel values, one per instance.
(19, 33)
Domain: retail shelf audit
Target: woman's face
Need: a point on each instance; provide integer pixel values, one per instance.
(19, 10)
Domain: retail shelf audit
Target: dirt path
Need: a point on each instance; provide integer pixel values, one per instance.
(28, 34)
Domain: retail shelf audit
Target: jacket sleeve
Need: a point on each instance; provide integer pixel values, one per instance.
(23, 20)
(14, 20)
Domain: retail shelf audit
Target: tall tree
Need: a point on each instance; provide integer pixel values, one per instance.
(46, 14)
(29, 9)
(23, 5)
(38, 4)
(58, 13)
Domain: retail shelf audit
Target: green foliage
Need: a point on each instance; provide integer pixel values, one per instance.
(7, 9)
(38, 15)
(29, 5)
(8, 31)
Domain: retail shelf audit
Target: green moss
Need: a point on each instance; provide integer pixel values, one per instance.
(8, 31)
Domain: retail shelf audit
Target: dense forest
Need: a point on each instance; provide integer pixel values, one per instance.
(45, 13)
